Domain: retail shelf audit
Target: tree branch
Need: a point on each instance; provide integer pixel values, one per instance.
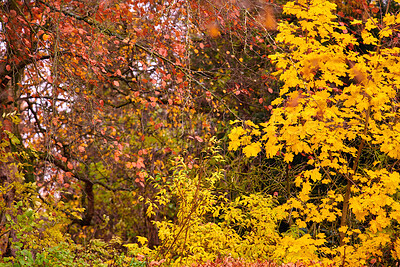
(63, 166)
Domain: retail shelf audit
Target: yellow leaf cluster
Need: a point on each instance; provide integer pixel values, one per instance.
(336, 124)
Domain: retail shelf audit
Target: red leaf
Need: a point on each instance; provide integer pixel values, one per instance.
(60, 178)
(8, 67)
(199, 139)
(158, 125)
(116, 83)
(163, 52)
(130, 165)
(70, 166)
(139, 163)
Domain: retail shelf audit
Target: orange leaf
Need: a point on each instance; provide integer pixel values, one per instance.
(213, 30)
(45, 37)
(267, 19)
(139, 163)
(60, 178)
(130, 165)
(70, 166)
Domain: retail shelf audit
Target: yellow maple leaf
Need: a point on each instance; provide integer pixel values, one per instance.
(252, 149)
(234, 137)
(288, 157)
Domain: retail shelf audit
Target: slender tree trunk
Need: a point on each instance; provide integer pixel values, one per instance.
(347, 195)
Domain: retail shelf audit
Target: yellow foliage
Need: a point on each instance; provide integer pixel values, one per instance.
(245, 227)
(336, 129)
(396, 249)
(252, 149)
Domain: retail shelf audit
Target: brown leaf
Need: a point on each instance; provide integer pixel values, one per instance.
(267, 19)
(294, 99)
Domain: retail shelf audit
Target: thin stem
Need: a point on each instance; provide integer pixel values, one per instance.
(345, 210)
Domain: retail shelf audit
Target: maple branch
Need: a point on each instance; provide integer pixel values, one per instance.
(122, 104)
(43, 97)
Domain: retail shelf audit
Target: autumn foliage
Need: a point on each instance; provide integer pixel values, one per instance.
(195, 133)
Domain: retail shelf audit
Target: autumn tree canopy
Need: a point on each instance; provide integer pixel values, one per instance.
(152, 132)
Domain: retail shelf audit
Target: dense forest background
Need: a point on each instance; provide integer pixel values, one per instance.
(209, 133)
